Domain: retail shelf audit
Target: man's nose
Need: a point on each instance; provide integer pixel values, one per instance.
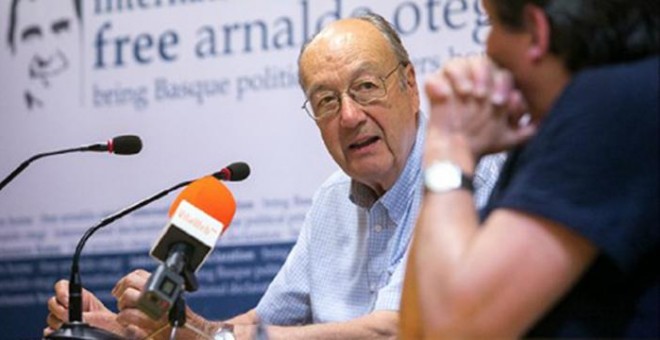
(350, 112)
(41, 62)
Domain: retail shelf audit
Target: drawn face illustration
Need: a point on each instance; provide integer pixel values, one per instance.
(44, 36)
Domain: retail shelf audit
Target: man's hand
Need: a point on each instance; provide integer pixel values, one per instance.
(130, 322)
(127, 291)
(94, 312)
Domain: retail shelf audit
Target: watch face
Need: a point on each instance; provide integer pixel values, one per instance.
(442, 177)
(225, 334)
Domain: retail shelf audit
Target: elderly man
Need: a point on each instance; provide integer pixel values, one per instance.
(569, 244)
(344, 275)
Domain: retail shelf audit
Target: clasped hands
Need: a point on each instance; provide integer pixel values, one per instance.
(475, 105)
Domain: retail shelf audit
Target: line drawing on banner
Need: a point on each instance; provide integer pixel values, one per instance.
(42, 39)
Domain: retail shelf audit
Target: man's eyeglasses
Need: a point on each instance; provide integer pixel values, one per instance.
(364, 91)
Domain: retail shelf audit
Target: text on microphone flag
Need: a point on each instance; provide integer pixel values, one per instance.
(197, 223)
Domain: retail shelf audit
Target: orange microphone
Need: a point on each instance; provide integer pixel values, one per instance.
(198, 216)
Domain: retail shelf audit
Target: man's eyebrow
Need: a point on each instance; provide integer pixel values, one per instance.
(316, 89)
(60, 25)
(369, 68)
(30, 31)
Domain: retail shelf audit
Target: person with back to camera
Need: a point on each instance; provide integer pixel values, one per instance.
(568, 243)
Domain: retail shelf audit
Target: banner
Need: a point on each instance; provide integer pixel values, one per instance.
(204, 84)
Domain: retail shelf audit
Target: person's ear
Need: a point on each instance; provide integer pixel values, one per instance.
(409, 74)
(537, 26)
(411, 82)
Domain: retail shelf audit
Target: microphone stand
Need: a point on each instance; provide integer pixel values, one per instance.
(177, 264)
(25, 164)
(75, 328)
(123, 145)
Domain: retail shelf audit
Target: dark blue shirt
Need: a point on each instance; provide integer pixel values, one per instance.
(593, 167)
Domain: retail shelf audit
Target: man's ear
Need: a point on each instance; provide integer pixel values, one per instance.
(411, 82)
(411, 77)
(537, 26)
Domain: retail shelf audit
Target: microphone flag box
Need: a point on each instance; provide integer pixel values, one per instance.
(192, 226)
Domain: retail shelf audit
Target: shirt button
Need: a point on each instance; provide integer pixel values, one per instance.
(378, 228)
(372, 288)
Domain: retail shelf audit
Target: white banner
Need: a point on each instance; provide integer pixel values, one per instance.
(203, 83)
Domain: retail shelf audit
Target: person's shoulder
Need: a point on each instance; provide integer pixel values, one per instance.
(333, 192)
(624, 76)
(337, 181)
(609, 87)
(336, 178)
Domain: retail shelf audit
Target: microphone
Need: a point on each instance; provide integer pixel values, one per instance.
(121, 145)
(199, 215)
(233, 172)
(75, 328)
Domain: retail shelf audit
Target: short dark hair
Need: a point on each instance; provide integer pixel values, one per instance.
(12, 21)
(586, 33)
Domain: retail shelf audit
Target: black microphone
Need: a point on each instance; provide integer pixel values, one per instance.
(121, 145)
(75, 328)
(234, 172)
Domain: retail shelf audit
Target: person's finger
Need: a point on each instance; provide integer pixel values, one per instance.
(136, 279)
(516, 102)
(502, 87)
(47, 331)
(62, 292)
(142, 273)
(517, 108)
(524, 133)
(118, 289)
(438, 88)
(135, 332)
(53, 321)
(521, 133)
(134, 317)
(56, 308)
(128, 299)
(481, 70)
(458, 72)
(527, 131)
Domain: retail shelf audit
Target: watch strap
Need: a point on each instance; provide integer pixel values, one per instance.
(467, 182)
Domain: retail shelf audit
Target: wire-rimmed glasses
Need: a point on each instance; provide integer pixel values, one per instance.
(364, 90)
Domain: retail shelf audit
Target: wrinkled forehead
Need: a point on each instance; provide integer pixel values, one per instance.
(343, 48)
(44, 12)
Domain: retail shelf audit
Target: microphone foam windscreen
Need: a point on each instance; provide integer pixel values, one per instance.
(239, 171)
(126, 145)
(211, 196)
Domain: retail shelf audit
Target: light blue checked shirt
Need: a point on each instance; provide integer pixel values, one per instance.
(349, 259)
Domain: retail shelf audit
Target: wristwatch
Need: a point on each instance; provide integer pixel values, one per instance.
(226, 332)
(444, 176)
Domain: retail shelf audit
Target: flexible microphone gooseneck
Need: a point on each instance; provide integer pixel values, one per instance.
(75, 328)
(121, 145)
